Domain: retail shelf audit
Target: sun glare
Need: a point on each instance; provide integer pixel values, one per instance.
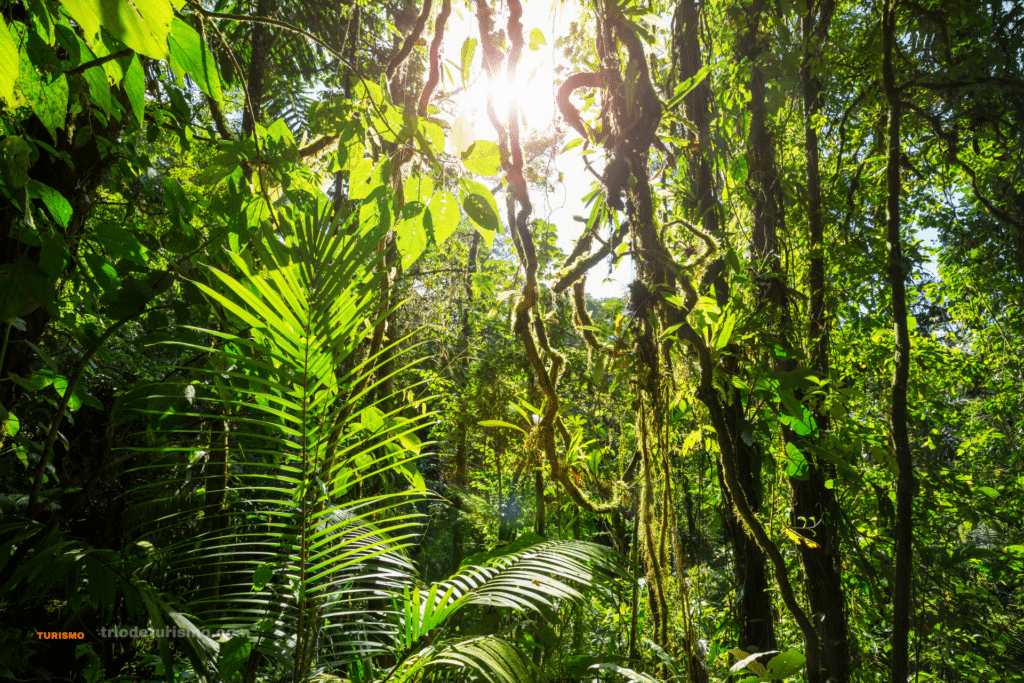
(532, 86)
(535, 100)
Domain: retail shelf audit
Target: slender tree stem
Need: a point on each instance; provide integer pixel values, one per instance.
(904, 532)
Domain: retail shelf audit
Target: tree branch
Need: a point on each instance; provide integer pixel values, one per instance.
(99, 61)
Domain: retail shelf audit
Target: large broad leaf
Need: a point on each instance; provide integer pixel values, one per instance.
(484, 158)
(444, 215)
(412, 238)
(418, 188)
(58, 207)
(135, 87)
(189, 56)
(462, 136)
(15, 156)
(481, 213)
(46, 93)
(786, 664)
(8, 64)
(142, 25)
(120, 243)
(24, 286)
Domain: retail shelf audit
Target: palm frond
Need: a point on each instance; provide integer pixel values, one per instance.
(535, 579)
(488, 658)
(282, 437)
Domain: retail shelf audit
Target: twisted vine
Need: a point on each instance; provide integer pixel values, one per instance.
(435, 57)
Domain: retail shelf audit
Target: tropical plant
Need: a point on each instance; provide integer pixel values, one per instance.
(290, 406)
(288, 554)
(538, 578)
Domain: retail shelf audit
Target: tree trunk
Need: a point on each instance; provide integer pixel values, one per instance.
(812, 502)
(757, 626)
(901, 601)
(261, 43)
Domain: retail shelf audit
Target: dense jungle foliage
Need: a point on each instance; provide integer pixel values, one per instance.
(301, 380)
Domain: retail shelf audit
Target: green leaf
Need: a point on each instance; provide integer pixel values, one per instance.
(749, 662)
(598, 374)
(500, 423)
(482, 212)
(444, 215)
(10, 425)
(793, 407)
(418, 188)
(628, 674)
(142, 25)
(365, 177)
(105, 274)
(372, 419)
(99, 89)
(433, 134)
(188, 55)
(785, 664)
(989, 491)
(523, 541)
(120, 243)
(262, 576)
(23, 287)
(484, 159)
(233, 655)
(536, 39)
(687, 86)
(468, 51)
(796, 466)
(15, 157)
(135, 87)
(175, 200)
(462, 136)
(738, 170)
(412, 238)
(413, 476)
(803, 425)
(47, 95)
(483, 216)
(725, 334)
(43, 355)
(58, 207)
(8, 64)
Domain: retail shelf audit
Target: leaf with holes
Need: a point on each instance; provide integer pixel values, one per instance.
(412, 239)
(444, 214)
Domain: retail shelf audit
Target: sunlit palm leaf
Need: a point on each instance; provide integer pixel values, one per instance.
(535, 578)
(277, 451)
